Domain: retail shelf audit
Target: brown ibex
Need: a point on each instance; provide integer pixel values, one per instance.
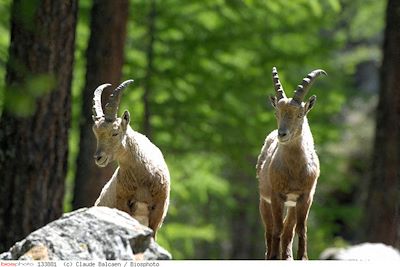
(288, 169)
(140, 185)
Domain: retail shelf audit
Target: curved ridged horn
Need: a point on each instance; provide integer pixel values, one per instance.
(280, 93)
(111, 108)
(302, 89)
(97, 109)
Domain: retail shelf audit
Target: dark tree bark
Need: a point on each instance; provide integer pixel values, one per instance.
(149, 69)
(382, 220)
(105, 54)
(34, 149)
(247, 234)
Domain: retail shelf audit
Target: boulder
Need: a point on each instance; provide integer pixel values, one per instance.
(96, 233)
(363, 251)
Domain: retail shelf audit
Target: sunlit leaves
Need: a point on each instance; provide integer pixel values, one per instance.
(20, 99)
(211, 80)
(198, 189)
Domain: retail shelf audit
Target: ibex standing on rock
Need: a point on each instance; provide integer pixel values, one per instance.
(288, 169)
(140, 185)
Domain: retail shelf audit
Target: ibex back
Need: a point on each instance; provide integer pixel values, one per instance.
(288, 169)
(140, 185)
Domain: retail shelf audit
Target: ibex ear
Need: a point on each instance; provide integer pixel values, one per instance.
(310, 103)
(273, 101)
(126, 118)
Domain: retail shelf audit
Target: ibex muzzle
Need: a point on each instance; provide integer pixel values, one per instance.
(101, 158)
(283, 134)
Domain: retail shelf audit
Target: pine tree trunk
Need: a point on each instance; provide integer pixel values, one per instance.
(246, 228)
(34, 149)
(149, 69)
(382, 222)
(105, 54)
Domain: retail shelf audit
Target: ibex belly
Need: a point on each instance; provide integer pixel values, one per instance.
(136, 200)
(291, 200)
(288, 184)
(141, 204)
(287, 180)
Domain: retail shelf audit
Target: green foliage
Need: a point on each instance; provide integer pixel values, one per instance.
(212, 78)
(209, 92)
(198, 191)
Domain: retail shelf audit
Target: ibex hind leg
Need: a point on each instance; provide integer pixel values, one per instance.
(266, 216)
(156, 216)
(141, 213)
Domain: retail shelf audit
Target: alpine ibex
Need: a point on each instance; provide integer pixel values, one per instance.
(288, 169)
(140, 185)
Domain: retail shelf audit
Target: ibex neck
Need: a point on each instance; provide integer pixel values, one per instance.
(129, 150)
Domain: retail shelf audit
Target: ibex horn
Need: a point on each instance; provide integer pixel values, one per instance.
(302, 89)
(97, 109)
(111, 108)
(280, 93)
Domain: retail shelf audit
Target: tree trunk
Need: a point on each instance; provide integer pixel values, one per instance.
(105, 54)
(149, 69)
(382, 222)
(34, 149)
(247, 236)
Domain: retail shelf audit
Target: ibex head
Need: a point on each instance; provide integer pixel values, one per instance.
(108, 128)
(290, 112)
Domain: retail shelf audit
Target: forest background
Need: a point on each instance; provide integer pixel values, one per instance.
(202, 72)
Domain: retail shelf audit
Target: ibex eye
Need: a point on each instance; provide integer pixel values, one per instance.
(114, 134)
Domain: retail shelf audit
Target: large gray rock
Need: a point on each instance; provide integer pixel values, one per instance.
(97, 233)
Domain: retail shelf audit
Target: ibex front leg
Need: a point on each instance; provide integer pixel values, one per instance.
(288, 234)
(277, 212)
(266, 216)
(302, 209)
